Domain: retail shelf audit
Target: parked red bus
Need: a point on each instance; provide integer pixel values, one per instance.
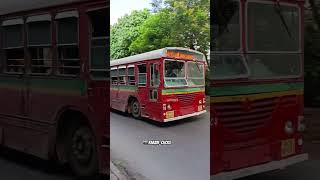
(257, 87)
(163, 85)
(54, 81)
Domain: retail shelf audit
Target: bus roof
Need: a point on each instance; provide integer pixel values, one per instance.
(156, 54)
(13, 6)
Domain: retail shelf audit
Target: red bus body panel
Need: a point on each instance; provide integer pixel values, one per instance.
(31, 106)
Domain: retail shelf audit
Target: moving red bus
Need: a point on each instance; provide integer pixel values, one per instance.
(53, 81)
(163, 85)
(257, 87)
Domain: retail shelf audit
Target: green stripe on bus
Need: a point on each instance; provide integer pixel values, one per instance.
(181, 91)
(52, 86)
(252, 89)
(124, 88)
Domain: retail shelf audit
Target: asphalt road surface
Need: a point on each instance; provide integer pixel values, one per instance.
(186, 159)
(18, 166)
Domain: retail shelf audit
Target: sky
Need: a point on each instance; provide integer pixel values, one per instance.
(121, 7)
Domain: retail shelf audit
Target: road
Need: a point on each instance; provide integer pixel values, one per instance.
(17, 166)
(187, 158)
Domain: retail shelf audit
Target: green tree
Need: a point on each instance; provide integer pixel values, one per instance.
(182, 23)
(156, 32)
(125, 31)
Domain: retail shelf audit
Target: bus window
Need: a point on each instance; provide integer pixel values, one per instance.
(122, 76)
(68, 49)
(175, 74)
(131, 76)
(228, 37)
(195, 74)
(99, 42)
(142, 75)
(13, 48)
(154, 75)
(114, 76)
(39, 42)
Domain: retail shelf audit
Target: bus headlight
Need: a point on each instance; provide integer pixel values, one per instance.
(169, 107)
(301, 125)
(200, 101)
(288, 128)
(204, 100)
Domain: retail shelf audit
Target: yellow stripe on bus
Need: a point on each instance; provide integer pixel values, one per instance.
(253, 97)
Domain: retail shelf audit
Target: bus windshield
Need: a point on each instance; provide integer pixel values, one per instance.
(272, 28)
(175, 74)
(195, 72)
(273, 42)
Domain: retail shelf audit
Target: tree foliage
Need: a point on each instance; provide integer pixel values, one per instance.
(125, 31)
(183, 23)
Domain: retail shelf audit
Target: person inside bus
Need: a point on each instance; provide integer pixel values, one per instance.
(170, 73)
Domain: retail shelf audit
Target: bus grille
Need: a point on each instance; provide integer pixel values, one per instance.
(234, 115)
(186, 100)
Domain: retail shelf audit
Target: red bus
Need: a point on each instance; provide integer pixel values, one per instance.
(257, 87)
(163, 85)
(54, 82)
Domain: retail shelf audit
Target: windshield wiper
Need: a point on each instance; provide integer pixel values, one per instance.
(279, 11)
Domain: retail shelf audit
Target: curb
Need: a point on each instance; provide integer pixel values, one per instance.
(116, 173)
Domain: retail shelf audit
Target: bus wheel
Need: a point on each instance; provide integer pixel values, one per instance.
(82, 152)
(135, 109)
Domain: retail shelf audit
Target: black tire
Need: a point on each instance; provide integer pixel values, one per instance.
(135, 109)
(82, 152)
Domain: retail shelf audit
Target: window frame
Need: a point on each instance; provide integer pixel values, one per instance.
(299, 52)
(42, 46)
(134, 75)
(153, 67)
(117, 76)
(122, 76)
(58, 46)
(185, 73)
(145, 74)
(4, 58)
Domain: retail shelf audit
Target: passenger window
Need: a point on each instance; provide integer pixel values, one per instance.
(154, 75)
(131, 76)
(122, 76)
(13, 46)
(99, 43)
(39, 43)
(114, 76)
(68, 49)
(142, 75)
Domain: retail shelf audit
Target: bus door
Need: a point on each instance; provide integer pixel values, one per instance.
(142, 92)
(154, 82)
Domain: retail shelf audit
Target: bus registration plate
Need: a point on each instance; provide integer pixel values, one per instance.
(170, 114)
(287, 147)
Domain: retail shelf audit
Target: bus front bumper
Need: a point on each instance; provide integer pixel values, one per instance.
(274, 165)
(185, 116)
